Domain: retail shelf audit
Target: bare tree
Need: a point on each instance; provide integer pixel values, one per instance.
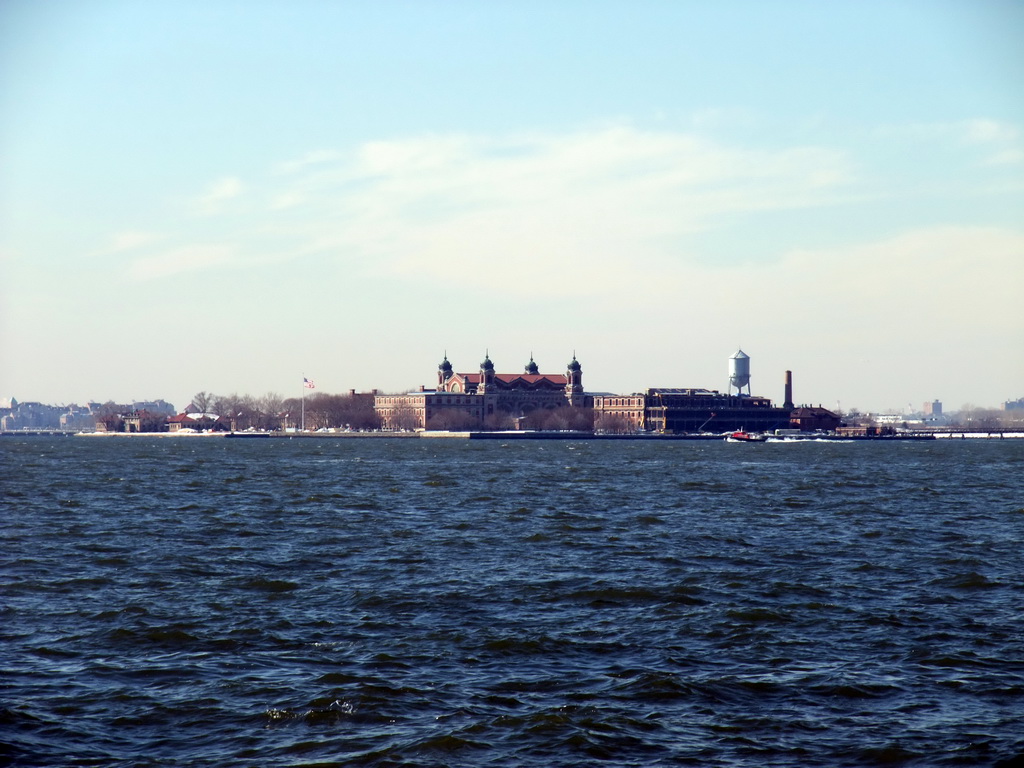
(152, 422)
(361, 413)
(500, 421)
(270, 403)
(562, 418)
(973, 417)
(203, 401)
(111, 421)
(404, 418)
(325, 410)
(614, 423)
(271, 412)
(269, 407)
(291, 412)
(230, 407)
(456, 421)
(580, 419)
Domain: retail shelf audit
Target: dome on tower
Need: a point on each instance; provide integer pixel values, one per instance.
(487, 365)
(531, 367)
(574, 365)
(445, 366)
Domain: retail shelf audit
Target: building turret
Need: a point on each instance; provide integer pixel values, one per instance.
(574, 382)
(486, 374)
(531, 367)
(444, 372)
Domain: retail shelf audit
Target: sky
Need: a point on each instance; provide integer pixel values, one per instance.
(230, 196)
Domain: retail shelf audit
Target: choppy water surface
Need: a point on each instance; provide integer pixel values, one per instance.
(210, 602)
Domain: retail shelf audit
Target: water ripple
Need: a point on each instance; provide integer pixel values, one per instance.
(438, 603)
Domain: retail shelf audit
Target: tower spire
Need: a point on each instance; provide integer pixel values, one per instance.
(531, 367)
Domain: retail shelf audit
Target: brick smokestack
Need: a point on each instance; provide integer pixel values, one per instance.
(789, 391)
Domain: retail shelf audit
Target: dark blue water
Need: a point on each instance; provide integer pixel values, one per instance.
(385, 602)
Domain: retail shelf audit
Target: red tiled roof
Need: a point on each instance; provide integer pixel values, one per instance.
(508, 378)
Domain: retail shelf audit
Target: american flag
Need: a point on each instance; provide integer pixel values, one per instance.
(308, 383)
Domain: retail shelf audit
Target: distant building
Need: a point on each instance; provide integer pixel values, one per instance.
(154, 406)
(144, 421)
(865, 431)
(482, 399)
(1014, 405)
(934, 408)
(78, 419)
(814, 419)
(487, 399)
(31, 416)
(198, 422)
(675, 410)
(618, 413)
(889, 418)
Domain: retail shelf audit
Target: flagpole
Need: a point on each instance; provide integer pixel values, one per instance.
(306, 384)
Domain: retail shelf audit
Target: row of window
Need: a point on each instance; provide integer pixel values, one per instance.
(610, 402)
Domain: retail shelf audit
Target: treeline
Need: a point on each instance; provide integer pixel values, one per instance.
(969, 417)
(557, 419)
(564, 418)
(110, 416)
(354, 411)
(270, 412)
(973, 417)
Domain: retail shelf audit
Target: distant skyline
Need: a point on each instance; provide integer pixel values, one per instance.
(229, 197)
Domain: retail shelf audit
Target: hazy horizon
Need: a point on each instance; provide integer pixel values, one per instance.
(224, 198)
(303, 391)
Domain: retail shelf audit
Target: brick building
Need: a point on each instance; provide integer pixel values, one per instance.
(484, 399)
(674, 411)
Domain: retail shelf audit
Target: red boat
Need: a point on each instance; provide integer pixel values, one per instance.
(747, 437)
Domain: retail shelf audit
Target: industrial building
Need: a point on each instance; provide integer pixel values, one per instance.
(674, 411)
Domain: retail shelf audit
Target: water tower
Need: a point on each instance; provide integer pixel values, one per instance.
(739, 372)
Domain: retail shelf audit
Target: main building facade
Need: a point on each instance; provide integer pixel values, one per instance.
(485, 398)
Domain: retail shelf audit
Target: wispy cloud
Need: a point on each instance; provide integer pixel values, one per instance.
(910, 308)
(940, 282)
(611, 212)
(188, 259)
(985, 131)
(1012, 156)
(1001, 140)
(967, 275)
(314, 158)
(130, 241)
(219, 192)
(561, 209)
(998, 141)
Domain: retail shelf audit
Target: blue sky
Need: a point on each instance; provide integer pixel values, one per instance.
(227, 196)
